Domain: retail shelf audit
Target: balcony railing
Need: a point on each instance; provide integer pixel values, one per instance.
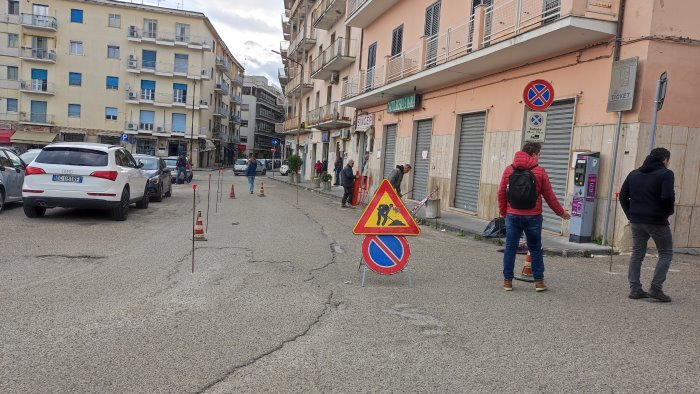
(222, 62)
(37, 118)
(39, 21)
(221, 88)
(38, 86)
(221, 112)
(44, 55)
(235, 119)
(10, 18)
(336, 57)
(237, 80)
(291, 124)
(134, 33)
(282, 76)
(332, 115)
(236, 98)
(297, 81)
(328, 13)
(177, 98)
(488, 26)
(304, 40)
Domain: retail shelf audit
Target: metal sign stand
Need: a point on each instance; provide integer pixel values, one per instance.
(364, 268)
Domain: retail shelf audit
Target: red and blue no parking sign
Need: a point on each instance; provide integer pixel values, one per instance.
(386, 254)
(538, 95)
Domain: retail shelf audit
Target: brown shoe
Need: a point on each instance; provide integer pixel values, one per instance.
(539, 285)
(508, 284)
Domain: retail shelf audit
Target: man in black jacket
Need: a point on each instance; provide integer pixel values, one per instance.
(347, 179)
(647, 198)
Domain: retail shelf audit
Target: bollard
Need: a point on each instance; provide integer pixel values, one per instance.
(194, 203)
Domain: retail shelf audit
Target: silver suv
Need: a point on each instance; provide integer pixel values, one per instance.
(11, 177)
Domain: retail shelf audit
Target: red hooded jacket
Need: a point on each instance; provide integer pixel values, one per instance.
(521, 161)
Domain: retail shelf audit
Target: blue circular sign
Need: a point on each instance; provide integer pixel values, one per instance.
(386, 254)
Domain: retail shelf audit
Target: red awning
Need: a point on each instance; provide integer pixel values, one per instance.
(6, 136)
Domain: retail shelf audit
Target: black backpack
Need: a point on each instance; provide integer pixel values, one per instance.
(181, 162)
(522, 188)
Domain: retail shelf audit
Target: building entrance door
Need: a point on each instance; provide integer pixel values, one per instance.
(471, 143)
(389, 150)
(421, 166)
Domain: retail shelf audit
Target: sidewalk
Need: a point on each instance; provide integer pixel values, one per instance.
(472, 227)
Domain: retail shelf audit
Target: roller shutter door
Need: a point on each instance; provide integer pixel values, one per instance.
(389, 150)
(421, 167)
(555, 154)
(471, 144)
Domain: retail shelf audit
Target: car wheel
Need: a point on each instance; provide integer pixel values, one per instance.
(33, 211)
(143, 202)
(264, 172)
(170, 191)
(121, 212)
(2, 200)
(159, 196)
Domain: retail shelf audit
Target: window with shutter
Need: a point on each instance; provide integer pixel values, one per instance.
(397, 41)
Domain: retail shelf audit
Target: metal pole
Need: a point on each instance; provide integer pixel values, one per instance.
(208, 199)
(194, 93)
(655, 110)
(611, 181)
(218, 181)
(194, 203)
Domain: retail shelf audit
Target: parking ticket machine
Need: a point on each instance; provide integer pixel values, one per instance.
(583, 204)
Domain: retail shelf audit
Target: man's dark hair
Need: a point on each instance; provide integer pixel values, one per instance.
(660, 154)
(532, 148)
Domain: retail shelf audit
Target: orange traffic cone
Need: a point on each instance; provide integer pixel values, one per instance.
(232, 194)
(199, 228)
(262, 190)
(527, 268)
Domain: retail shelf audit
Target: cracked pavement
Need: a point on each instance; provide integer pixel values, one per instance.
(274, 305)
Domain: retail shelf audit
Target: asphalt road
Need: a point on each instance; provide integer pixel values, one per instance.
(274, 305)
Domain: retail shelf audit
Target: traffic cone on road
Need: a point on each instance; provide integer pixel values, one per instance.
(199, 228)
(262, 190)
(527, 268)
(232, 194)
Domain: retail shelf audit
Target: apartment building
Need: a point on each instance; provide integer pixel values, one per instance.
(261, 113)
(319, 52)
(442, 85)
(160, 81)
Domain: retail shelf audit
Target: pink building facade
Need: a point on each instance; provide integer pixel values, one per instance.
(441, 84)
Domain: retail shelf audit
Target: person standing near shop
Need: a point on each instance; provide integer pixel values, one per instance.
(337, 167)
(250, 173)
(348, 182)
(647, 197)
(520, 193)
(396, 177)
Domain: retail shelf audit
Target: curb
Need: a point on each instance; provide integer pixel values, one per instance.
(548, 251)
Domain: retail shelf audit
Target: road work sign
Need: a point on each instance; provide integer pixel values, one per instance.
(386, 254)
(386, 214)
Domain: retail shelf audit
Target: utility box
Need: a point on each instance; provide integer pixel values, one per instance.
(432, 209)
(583, 204)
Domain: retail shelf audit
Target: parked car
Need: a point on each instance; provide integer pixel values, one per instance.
(11, 177)
(284, 169)
(159, 180)
(266, 163)
(240, 166)
(171, 163)
(84, 175)
(29, 156)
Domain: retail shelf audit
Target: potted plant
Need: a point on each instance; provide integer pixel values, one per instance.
(316, 181)
(294, 163)
(326, 179)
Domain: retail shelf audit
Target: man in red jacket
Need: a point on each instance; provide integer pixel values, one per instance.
(520, 193)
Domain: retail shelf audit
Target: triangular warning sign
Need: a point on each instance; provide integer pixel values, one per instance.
(386, 214)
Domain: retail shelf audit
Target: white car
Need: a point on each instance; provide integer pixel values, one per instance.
(284, 168)
(84, 175)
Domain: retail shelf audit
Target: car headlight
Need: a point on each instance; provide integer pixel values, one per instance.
(155, 180)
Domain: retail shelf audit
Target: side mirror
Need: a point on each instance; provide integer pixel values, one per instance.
(140, 164)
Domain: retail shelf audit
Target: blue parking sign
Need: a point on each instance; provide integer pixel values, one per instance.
(125, 137)
(275, 141)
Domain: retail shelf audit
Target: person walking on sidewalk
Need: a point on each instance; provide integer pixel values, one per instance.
(250, 173)
(337, 167)
(647, 198)
(520, 193)
(396, 177)
(348, 182)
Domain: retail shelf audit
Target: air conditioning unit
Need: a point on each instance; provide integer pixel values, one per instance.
(204, 102)
(160, 129)
(335, 77)
(132, 126)
(133, 95)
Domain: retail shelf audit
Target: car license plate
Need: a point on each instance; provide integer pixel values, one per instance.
(67, 178)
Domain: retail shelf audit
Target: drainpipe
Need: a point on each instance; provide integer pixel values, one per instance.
(618, 130)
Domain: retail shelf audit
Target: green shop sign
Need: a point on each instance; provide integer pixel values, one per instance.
(406, 103)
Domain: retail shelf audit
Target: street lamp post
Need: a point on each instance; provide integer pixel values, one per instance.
(301, 78)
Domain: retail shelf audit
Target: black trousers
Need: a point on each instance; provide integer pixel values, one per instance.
(347, 197)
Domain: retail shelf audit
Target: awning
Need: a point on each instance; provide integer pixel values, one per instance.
(33, 137)
(209, 146)
(5, 136)
(68, 131)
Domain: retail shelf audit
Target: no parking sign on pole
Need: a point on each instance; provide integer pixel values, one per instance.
(386, 254)
(538, 95)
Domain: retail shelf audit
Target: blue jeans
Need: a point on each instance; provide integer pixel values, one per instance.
(181, 170)
(532, 226)
(251, 183)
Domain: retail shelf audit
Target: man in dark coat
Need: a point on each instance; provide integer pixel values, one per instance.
(348, 181)
(647, 198)
(396, 177)
(337, 167)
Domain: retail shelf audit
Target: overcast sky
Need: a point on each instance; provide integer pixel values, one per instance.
(250, 29)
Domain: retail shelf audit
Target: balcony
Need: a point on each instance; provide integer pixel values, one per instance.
(221, 88)
(237, 80)
(13, 19)
(363, 12)
(328, 13)
(39, 86)
(297, 82)
(330, 116)
(150, 67)
(221, 112)
(236, 99)
(502, 35)
(42, 22)
(291, 124)
(338, 56)
(235, 119)
(282, 76)
(39, 55)
(36, 118)
(167, 100)
(158, 37)
(304, 41)
(286, 26)
(222, 63)
(284, 48)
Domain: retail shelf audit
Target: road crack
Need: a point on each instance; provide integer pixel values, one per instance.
(329, 305)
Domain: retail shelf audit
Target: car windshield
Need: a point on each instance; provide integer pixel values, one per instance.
(170, 162)
(149, 163)
(241, 161)
(73, 157)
